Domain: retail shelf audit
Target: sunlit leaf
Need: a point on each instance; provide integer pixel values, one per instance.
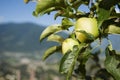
(55, 38)
(57, 14)
(50, 51)
(46, 5)
(112, 29)
(50, 30)
(112, 63)
(45, 11)
(66, 23)
(69, 59)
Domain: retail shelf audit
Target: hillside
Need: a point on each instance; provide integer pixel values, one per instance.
(22, 38)
(21, 51)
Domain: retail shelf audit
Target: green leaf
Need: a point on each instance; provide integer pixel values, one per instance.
(55, 38)
(46, 6)
(112, 29)
(105, 10)
(115, 15)
(112, 63)
(42, 5)
(105, 4)
(83, 58)
(50, 30)
(89, 36)
(85, 55)
(50, 51)
(73, 36)
(86, 2)
(57, 14)
(76, 3)
(66, 23)
(45, 11)
(69, 60)
(67, 12)
(102, 16)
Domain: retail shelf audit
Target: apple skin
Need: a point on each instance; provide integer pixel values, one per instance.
(68, 44)
(87, 24)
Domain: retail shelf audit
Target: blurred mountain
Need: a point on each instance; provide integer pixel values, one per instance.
(22, 38)
(21, 51)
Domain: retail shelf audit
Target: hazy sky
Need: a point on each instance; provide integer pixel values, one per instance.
(18, 11)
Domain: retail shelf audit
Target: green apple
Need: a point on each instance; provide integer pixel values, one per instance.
(68, 44)
(88, 25)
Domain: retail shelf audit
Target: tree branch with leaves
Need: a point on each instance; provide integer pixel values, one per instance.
(101, 20)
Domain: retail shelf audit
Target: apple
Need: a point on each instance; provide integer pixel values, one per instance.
(88, 25)
(68, 44)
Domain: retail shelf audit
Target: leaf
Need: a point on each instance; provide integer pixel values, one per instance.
(112, 63)
(69, 60)
(66, 23)
(55, 38)
(72, 35)
(105, 4)
(42, 5)
(50, 51)
(102, 16)
(76, 4)
(115, 15)
(57, 14)
(112, 29)
(85, 55)
(45, 6)
(50, 30)
(86, 2)
(45, 11)
(83, 58)
(67, 12)
(105, 9)
(89, 36)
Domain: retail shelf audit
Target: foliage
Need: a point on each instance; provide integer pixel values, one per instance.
(74, 62)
